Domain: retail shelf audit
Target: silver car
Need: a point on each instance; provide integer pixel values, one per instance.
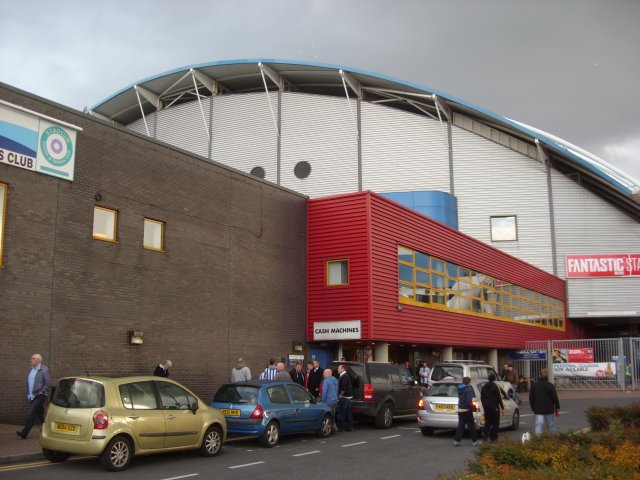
(438, 408)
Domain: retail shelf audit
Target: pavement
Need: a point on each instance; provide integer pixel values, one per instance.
(14, 449)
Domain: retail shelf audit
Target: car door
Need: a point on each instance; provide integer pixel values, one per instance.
(280, 406)
(403, 391)
(506, 415)
(306, 414)
(182, 425)
(143, 414)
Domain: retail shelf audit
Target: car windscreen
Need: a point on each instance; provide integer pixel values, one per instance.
(440, 372)
(237, 394)
(78, 393)
(443, 390)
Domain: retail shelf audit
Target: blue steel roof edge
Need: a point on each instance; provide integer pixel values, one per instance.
(559, 148)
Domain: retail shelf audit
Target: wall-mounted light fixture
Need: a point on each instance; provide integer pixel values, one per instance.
(98, 196)
(400, 307)
(297, 346)
(135, 338)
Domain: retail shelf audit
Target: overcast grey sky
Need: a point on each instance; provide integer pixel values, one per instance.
(568, 67)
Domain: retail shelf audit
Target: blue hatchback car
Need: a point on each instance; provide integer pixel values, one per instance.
(268, 409)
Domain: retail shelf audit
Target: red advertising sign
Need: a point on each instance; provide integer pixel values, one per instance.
(580, 355)
(614, 265)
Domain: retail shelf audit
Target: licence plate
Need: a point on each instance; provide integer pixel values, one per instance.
(446, 408)
(67, 428)
(230, 412)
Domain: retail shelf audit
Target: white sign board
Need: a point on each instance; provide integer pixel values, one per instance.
(593, 370)
(347, 330)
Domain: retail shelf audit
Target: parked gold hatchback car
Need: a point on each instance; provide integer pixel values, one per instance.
(117, 418)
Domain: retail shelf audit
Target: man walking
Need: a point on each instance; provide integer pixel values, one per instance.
(466, 408)
(544, 403)
(38, 386)
(240, 373)
(162, 369)
(492, 403)
(345, 394)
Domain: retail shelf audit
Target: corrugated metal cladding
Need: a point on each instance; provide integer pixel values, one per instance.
(337, 228)
(402, 151)
(491, 180)
(585, 224)
(139, 126)
(321, 131)
(244, 132)
(184, 127)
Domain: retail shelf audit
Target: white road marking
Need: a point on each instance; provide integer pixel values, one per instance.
(352, 444)
(306, 453)
(246, 465)
(406, 428)
(390, 436)
(182, 476)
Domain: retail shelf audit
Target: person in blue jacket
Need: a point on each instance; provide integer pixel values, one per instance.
(466, 407)
(330, 393)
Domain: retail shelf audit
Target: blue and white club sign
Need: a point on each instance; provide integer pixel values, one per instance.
(56, 147)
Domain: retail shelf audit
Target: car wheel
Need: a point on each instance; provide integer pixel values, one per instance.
(212, 441)
(117, 456)
(515, 421)
(326, 427)
(427, 431)
(384, 418)
(54, 456)
(271, 435)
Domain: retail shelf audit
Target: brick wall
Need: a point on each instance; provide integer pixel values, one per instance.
(230, 283)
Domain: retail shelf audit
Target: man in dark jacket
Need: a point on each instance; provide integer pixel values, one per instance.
(544, 403)
(345, 394)
(492, 403)
(314, 379)
(466, 407)
(38, 386)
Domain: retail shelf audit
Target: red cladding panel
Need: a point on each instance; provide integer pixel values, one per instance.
(366, 228)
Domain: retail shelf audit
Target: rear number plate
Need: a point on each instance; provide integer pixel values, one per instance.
(67, 428)
(446, 408)
(230, 412)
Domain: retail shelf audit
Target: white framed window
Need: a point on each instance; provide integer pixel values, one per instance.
(153, 235)
(105, 222)
(3, 209)
(504, 228)
(337, 272)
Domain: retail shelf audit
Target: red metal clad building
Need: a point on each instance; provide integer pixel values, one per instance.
(380, 272)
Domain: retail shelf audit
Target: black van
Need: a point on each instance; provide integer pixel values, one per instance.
(381, 390)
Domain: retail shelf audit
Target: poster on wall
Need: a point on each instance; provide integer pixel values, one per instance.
(609, 265)
(605, 370)
(32, 142)
(572, 355)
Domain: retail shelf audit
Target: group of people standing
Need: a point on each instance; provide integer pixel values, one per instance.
(337, 393)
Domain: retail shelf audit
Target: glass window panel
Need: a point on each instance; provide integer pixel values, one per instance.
(423, 295)
(504, 229)
(452, 270)
(405, 291)
(465, 272)
(3, 206)
(437, 265)
(338, 272)
(405, 254)
(438, 297)
(437, 281)
(405, 272)
(453, 285)
(422, 260)
(423, 277)
(153, 234)
(104, 224)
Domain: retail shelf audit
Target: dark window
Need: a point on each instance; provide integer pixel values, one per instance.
(299, 394)
(76, 393)
(258, 172)
(237, 394)
(277, 394)
(302, 169)
(139, 396)
(443, 371)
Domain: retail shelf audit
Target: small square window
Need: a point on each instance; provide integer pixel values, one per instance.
(153, 235)
(337, 272)
(104, 224)
(3, 208)
(504, 229)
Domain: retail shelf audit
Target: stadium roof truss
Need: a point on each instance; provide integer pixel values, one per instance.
(193, 83)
